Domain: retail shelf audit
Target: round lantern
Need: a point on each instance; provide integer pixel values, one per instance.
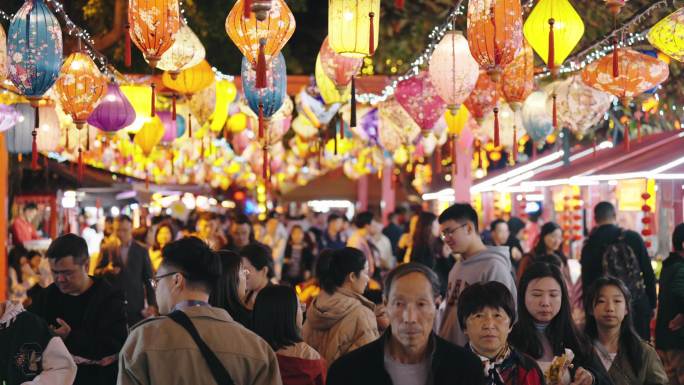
(517, 81)
(453, 70)
(8, 117)
(420, 99)
(260, 41)
(579, 106)
(536, 116)
(668, 35)
(483, 98)
(354, 26)
(80, 87)
(265, 101)
(330, 93)
(153, 26)
(3, 54)
(509, 121)
(339, 68)
(191, 80)
(553, 29)
(494, 33)
(173, 129)
(114, 111)
(187, 51)
(49, 132)
(396, 127)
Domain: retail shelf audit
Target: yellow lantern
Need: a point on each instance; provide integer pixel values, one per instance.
(149, 135)
(354, 26)
(237, 123)
(668, 35)
(456, 123)
(329, 92)
(225, 94)
(187, 51)
(191, 80)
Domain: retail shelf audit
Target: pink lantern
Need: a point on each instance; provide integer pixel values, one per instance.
(340, 69)
(420, 99)
(483, 98)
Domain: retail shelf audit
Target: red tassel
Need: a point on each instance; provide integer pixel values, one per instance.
(34, 151)
(261, 66)
(173, 106)
(247, 9)
(555, 113)
(80, 165)
(534, 151)
(454, 164)
(616, 66)
(399, 5)
(515, 144)
(551, 62)
(154, 106)
(189, 125)
(202, 150)
(320, 153)
(496, 127)
(127, 47)
(626, 134)
(264, 168)
(438, 159)
(371, 39)
(261, 121)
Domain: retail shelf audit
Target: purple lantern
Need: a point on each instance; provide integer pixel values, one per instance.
(114, 111)
(173, 129)
(370, 123)
(8, 117)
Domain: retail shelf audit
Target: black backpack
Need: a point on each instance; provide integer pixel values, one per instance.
(620, 261)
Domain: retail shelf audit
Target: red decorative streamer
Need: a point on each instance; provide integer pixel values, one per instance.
(399, 5)
(190, 125)
(247, 9)
(496, 127)
(454, 162)
(127, 46)
(80, 165)
(34, 151)
(261, 121)
(261, 66)
(551, 62)
(371, 38)
(88, 138)
(173, 106)
(153, 111)
(555, 113)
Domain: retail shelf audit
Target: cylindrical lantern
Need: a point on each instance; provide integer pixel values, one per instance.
(18, 138)
(339, 68)
(668, 35)
(420, 99)
(354, 26)
(49, 132)
(153, 25)
(187, 51)
(80, 87)
(114, 111)
(453, 70)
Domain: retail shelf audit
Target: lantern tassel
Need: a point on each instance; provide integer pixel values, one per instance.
(616, 67)
(261, 121)
(264, 168)
(399, 5)
(337, 132)
(66, 145)
(202, 150)
(261, 66)
(88, 138)
(190, 125)
(34, 144)
(371, 37)
(438, 159)
(127, 46)
(173, 106)
(454, 164)
(80, 165)
(626, 134)
(551, 62)
(555, 112)
(352, 115)
(515, 144)
(247, 9)
(496, 127)
(153, 112)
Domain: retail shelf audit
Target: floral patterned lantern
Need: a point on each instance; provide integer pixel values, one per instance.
(187, 51)
(579, 106)
(420, 99)
(453, 70)
(114, 111)
(153, 26)
(396, 127)
(494, 33)
(3, 54)
(8, 117)
(260, 41)
(80, 87)
(330, 93)
(483, 98)
(668, 35)
(339, 68)
(536, 117)
(354, 26)
(517, 81)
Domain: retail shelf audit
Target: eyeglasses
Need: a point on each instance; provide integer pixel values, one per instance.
(449, 232)
(154, 282)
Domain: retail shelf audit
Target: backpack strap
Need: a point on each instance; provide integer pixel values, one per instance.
(218, 371)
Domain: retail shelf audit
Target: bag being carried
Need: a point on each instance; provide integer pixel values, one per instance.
(620, 261)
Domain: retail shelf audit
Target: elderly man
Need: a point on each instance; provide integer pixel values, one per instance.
(409, 352)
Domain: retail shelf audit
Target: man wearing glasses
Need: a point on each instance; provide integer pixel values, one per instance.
(86, 312)
(478, 263)
(193, 343)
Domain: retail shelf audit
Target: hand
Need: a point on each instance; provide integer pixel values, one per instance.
(583, 377)
(150, 311)
(62, 331)
(516, 254)
(107, 360)
(677, 322)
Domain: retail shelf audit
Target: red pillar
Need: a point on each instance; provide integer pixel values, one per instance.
(4, 228)
(362, 194)
(388, 193)
(464, 180)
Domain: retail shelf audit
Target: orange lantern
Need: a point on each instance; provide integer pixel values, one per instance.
(494, 33)
(260, 40)
(517, 83)
(188, 82)
(153, 24)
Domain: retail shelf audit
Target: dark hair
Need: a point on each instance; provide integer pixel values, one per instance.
(33, 253)
(140, 234)
(242, 219)
(409, 268)
(14, 258)
(161, 225)
(109, 219)
(200, 266)
(496, 222)
(334, 217)
(260, 256)
(30, 206)
(515, 225)
(678, 237)
(274, 317)
(307, 241)
(335, 265)
(69, 245)
(225, 294)
(400, 210)
(541, 255)
(363, 219)
(391, 216)
(124, 218)
(422, 236)
(629, 339)
(460, 212)
(480, 295)
(604, 211)
(561, 331)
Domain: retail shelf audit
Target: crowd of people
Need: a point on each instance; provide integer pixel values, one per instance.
(425, 299)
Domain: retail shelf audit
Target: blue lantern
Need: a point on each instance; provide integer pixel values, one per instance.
(536, 116)
(34, 49)
(265, 102)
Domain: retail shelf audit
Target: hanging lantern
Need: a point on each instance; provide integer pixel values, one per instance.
(191, 80)
(536, 117)
(420, 99)
(8, 117)
(173, 129)
(509, 121)
(202, 105)
(330, 93)
(260, 41)
(187, 51)
(338, 68)
(114, 111)
(494, 33)
(225, 95)
(396, 127)
(453, 70)
(150, 135)
(517, 81)
(80, 87)
(18, 138)
(668, 35)
(483, 98)
(3, 54)
(456, 123)
(580, 107)
(153, 26)
(615, 6)
(266, 101)
(49, 132)
(553, 29)
(354, 26)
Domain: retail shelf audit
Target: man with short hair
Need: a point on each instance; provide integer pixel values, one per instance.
(607, 233)
(162, 351)
(408, 352)
(395, 229)
(478, 263)
(86, 312)
(332, 236)
(241, 233)
(360, 238)
(22, 226)
(499, 232)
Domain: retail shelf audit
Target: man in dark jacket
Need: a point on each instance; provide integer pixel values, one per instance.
(409, 352)
(395, 229)
(605, 233)
(126, 264)
(669, 338)
(86, 312)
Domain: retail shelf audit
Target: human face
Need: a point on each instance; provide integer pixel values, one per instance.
(272, 226)
(500, 234)
(35, 262)
(124, 231)
(488, 330)
(242, 233)
(164, 236)
(411, 310)
(610, 308)
(360, 281)
(336, 225)
(70, 277)
(203, 228)
(243, 273)
(553, 240)
(108, 228)
(543, 299)
(256, 279)
(168, 285)
(456, 235)
(30, 214)
(375, 228)
(297, 235)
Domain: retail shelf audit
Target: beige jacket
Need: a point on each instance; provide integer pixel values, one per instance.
(160, 351)
(339, 323)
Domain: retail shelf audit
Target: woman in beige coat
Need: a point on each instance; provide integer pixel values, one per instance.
(340, 319)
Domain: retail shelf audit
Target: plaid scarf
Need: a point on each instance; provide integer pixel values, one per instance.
(499, 368)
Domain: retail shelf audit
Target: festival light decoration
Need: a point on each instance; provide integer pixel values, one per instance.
(397, 128)
(354, 27)
(114, 111)
(668, 35)
(483, 98)
(420, 99)
(18, 138)
(536, 117)
(453, 70)
(80, 87)
(187, 51)
(3, 54)
(338, 68)
(225, 95)
(580, 107)
(153, 26)
(50, 132)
